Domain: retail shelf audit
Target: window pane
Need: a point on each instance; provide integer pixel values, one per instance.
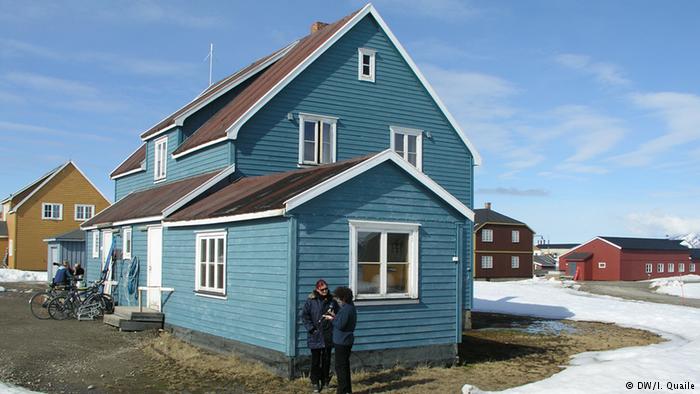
(412, 159)
(211, 274)
(219, 276)
(220, 250)
(397, 248)
(412, 144)
(368, 246)
(397, 278)
(202, 274)
(398, 144)
(365, 70)
(310, 131)
(365, 61)
(368, 278)
(211, 255)
(56, 211)
(202, 250)
(309, 151)
(326, 146)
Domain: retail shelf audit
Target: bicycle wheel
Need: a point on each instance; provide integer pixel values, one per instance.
(39, 305)
(60, 308)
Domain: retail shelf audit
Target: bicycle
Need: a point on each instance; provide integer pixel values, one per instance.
(39, 302)
(82, 305)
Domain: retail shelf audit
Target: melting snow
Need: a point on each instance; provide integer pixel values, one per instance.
(10, 275)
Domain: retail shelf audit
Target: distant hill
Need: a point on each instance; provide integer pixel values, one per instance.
(691, 240)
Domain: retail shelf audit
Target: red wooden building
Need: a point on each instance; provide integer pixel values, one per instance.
(503, 246)
(618, 258)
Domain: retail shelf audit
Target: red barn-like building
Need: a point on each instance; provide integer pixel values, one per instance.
(618, 258)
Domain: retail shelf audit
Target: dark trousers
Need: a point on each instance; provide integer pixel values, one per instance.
(342, 368)
(321, 365)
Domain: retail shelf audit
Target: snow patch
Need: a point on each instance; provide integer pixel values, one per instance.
(687, 286)
(10, 275)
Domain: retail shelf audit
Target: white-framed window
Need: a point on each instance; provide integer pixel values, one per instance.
(602, 264)
(486, 235)
(515, 262)
(366, 64)
(384, 259)
(515, 236)
(126, 242)
(160, 147)
(649, 268)
(681, 267)
(660, 267)
(486, 262)
(84, 212)
(210, 263)
(408, 143)
(317, 139)
(51, 211)
(95, 244)
(691, 267)
(671, 267)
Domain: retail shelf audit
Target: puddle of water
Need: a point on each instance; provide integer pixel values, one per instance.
(545, 327)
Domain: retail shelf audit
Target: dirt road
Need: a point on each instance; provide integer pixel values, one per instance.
(636, 291)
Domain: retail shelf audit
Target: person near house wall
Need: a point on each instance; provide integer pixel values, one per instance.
(343, 337)
(319, 332)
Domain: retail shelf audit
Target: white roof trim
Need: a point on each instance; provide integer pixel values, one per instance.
(138, 220)
(90, 182)
(369, 164)
(607, 242)
(124, 161)
(30, 185)
(198, 147)
(234, 128)
(199, 190)
(123, 174)
(47, 180)
(226, 219)
(180, 120)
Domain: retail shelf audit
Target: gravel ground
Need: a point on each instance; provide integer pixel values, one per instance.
(636, 291)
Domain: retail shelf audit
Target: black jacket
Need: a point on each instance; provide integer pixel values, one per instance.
(319, 330)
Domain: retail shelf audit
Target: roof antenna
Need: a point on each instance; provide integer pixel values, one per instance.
(210, 56)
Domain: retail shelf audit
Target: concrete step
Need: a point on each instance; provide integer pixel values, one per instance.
(133, 319)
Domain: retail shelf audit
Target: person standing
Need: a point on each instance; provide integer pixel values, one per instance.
(319, 333)
(343, 337)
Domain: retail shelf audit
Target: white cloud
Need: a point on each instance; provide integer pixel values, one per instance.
(680, 112)
(605, 73)
(43, 82)
(657, 223)
(590, 133)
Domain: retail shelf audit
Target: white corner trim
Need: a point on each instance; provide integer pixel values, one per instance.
(137, 220)
(199, 190)
(226, 219)
(368, 164)
(234, 128)
(46, 181)
(198, 147)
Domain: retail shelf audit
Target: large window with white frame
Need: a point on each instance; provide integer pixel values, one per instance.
(515, 236)
(366, 64)
(486, 235)
(160, 158)
(210, 275)
(408, 143)
(384, 259)
(95, 244)
(317, 139)
(486, 262)
(51, 211)
(126, 242)
(515, 262)
(84, 212)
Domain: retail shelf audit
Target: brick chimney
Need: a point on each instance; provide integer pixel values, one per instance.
(487, 205)
(316, 26)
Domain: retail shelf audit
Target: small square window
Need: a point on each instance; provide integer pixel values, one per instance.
(407, 143)
(51, 211)
(691, 267)
(649, 268)
(366, 64)
(316, 139)
(486, 235)
(681, 267)
(602, 264)
(84, 212)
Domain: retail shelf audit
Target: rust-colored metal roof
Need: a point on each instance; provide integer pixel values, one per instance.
(208, 93)
(216, 126)
(149, 202)
(132, 163)
(261, 193)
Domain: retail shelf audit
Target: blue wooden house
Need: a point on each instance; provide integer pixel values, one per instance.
(331, 158)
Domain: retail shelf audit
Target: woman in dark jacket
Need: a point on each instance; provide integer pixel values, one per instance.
(319, 333)
(343, 337)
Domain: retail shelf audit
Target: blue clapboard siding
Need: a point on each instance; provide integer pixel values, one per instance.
(133, 182)
(255, 308)
(92, 266)
(121, 267)
(73, 252)
(384, 193)
(270, 143)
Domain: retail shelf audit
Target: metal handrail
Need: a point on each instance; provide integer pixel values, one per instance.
(162, 289)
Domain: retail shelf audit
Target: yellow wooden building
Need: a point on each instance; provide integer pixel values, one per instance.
(56, 203)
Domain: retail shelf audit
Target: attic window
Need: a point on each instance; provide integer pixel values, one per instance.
(366, 64)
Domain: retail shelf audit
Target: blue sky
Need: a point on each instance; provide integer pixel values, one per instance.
(586, 113)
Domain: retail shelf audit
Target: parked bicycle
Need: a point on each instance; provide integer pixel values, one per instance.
(81, 304)
(39, 303)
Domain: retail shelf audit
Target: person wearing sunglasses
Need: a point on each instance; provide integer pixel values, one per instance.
(319, 333)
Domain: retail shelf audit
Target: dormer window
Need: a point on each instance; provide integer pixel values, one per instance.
(316, 139)
(160, 158)
(408, 143)
(366, 60)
